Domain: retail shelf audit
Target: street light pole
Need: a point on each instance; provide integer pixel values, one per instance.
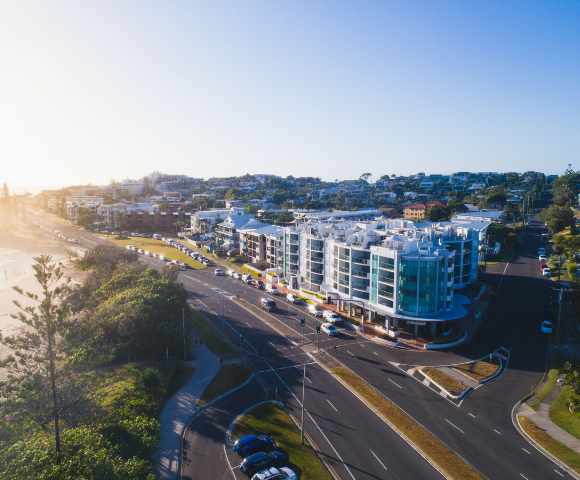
(223, 316)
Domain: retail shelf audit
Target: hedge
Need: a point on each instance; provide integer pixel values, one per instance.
(386, 336)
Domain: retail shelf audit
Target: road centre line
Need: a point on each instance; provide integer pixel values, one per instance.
(379, 460)
(332, 405)
(394, 382)
(248, 324)
(526, 451)
(496, 431)
(375, 353)
(455, 426)
(522, 475)
(558, 473)
(472, 415)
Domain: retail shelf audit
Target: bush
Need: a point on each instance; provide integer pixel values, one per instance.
(386, 336)
(572, 267)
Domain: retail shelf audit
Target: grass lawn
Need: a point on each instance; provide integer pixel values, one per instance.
(562, 417)
(478, 370)
(230, 376)
(501, 257)
(450, 384)
(553, 376)
(433, 448)
(270, 419)
(569, 457)
(211, 337)
(156, 246)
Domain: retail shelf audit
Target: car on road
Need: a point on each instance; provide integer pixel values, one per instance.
(250, 444)
(332, 317)
(315, 310)
(237, 276)
(542, 258)
(260, 461)
(292, 297)
(329, 329)
(247, 278)
(547, 272)
(272, 289)
(140, 250)
(186, 265)
(546, 327)
(218, 272)
(258, 284)
(268, 304)
(230, 273)
(283, 473)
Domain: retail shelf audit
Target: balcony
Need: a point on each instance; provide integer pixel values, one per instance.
(384, 293)
(360, 286)
(317, 259)
(384, 279)
(360, 261)
(294, 251)
(316, 282)
(360, 273)
(316, 249)
(343, 269)
(293, 242)
(293, 272)
(386, 266)
(344, 257)
(319, 271)
(343, 282)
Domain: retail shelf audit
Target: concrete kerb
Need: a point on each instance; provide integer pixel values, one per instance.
(229, 440)
(394, 427)
(195, 413)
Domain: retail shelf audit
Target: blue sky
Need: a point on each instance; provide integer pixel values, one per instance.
(96, 90)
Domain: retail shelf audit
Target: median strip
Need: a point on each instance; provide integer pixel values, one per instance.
(449, 462)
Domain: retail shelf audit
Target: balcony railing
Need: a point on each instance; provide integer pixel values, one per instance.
(317, 270)
(343, 269)
(360, 273)
(384, 293)
(317, 259)
(384, 279)
(343, 282)
(316, 282)
(344, 257)
(294, 251)
(360, 261)
(386, 266)
(316, 249)
(293, 242)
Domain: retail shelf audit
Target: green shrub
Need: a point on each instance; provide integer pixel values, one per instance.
(283, 282)
(321, 297)
(572, 267)
(386, 336)
(447, 340)
(308, 292)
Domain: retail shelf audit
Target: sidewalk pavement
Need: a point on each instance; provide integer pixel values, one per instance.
(179, 409)
(542, 419)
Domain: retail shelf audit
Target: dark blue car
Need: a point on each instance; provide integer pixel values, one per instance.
(546, 314)
(260, 461)
(251, 444)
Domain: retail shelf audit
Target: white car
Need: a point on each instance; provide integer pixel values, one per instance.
(546, 327)
(292, 297)
(315, 310)
(329, 328)
(218, 272)
(141, 250)
(547, 272)
(272, 289)
(247, 278)
(237, 276)
(129, 247)
(542, 258)
(273, 473)
(163, 257)
(230, 273)
(332, 317)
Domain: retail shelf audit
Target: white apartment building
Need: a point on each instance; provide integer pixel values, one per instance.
(390, 267)
(204, 221)
(74, 204)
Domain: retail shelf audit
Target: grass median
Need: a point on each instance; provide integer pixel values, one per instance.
(433, 448)
(569, 457)
(211, 337)
(449, 383)
(554, 372)
(271, 419)
(156, 246)
(477, 370)
(230, 376)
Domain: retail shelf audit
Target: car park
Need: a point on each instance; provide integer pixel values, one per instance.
(332, 317)
(292, 297)
(250, 444)
(218, 272)
(546, 327)
(260, 461)
(329, 329)
(272, 289)
(273, 473)
(547, 272)
(268, 304)
(315, 310)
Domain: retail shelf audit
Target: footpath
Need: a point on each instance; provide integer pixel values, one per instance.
(181, 407)
(542, 419)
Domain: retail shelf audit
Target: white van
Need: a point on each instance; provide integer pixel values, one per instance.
(332, 317)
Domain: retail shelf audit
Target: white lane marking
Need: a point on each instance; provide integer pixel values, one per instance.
(375, 353)
(472, 415)
(301, 372)
(351, 353)
(332, 405)
(247, 323)
(379, 460)
(558, 473)
(522, 475)
(226, 454)
(271, 343)
(455, 426)
(526, 451)
(394, 382)
(496, 431)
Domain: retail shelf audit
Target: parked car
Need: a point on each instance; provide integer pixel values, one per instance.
(292, 297)
(542, 266)
(186, 265)
(141, 251)
(163, 258)
(258, 284)
(541, 251)
(542, 258)
(237, 276)
(283, 473)
(272, 289)
(260, 461)
(250, 444)
(547, 272)
(218, 272)
(247, 278)
(546, 314)
(546, 327)
(315, 310)
(332, 317)
(230, 273)
(329, 328)
(268, 304)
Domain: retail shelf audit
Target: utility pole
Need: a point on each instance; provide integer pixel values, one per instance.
(184, 347)
(303, 401)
